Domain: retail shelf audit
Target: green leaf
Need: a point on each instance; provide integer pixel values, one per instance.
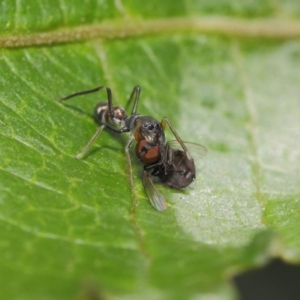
(74, 228)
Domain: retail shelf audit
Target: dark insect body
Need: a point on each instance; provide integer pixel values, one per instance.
(178, 174)
(174, 167)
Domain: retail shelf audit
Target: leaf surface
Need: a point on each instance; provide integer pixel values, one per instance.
(72, 228)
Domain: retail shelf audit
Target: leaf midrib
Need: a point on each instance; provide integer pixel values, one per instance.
(255, 28)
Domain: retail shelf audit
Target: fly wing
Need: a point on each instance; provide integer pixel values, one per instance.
(195, 150)
(156, 199)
